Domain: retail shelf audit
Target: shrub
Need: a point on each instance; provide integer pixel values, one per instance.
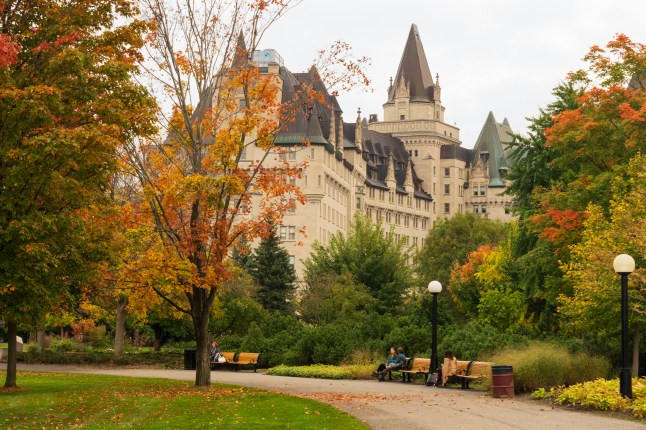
(474, 340)
(600, 394)
(544, 365)
(66, 345)
(314, 371)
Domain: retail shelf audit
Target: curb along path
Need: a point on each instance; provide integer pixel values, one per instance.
(387, 405)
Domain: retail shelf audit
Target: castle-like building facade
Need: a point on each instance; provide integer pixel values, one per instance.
(406, 171)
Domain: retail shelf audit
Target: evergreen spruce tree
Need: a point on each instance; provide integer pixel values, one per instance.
(270, 267)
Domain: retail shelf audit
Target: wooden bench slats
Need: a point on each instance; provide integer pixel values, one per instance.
(419, 365)
(471, 371)
(243, 358)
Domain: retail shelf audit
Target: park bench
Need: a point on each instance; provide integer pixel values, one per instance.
(406, 366)
(239, 359)
(247, 358)
(228, 356)
(419, 365)
(470, 371)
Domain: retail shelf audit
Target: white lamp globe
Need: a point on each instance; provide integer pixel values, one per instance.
(623, 263)
(434, 287)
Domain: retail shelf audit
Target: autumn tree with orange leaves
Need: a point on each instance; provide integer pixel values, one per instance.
(195, 193)
(68, 102)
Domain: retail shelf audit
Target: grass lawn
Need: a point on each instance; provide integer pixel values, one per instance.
(61, 400)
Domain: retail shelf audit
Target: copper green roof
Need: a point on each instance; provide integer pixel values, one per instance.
(493, 141)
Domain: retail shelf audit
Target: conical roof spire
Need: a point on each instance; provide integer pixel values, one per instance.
(413, 67)
(390, 172)
(240, 53)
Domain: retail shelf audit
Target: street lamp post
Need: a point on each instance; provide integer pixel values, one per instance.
(624, 265)
(434, 287)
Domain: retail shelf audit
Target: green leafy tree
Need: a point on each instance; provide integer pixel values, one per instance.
(68, 100)
(271, 269)
(451, 240)
(333, 297)
(373, 257)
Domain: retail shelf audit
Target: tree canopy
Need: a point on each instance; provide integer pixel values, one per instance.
(68, 102)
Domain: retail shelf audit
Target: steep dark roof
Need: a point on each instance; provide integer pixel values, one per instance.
(301, 127)
(385, 146)
(413, 67)
(456, 152)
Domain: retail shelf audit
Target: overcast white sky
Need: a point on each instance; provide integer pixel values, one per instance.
(503, 56)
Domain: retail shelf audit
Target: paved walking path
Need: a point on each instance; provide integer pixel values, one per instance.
(393, 404)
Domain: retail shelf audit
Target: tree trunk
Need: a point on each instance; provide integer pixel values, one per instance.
(636, 335)
(40, 337)
(200, 310)
(120, 326)
(12, 332)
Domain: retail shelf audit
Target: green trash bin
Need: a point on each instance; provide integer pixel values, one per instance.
(189, 359)
(502, 381)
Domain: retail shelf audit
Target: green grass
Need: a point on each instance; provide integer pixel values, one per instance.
(4, 345)
(59, 400)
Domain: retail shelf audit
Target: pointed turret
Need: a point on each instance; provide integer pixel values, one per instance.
(390, 173)
(409, 186)
(358, 133)
(491, 151)
(332, 136)
(413, 67)
(240, 54)
(339, 138)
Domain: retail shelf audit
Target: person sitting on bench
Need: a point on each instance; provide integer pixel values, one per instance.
(449, 367)
(399, 364)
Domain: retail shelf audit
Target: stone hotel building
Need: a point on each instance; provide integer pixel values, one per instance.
(406, 170)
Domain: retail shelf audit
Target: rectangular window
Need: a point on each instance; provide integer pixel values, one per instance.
(482, 190)
(243, 153)
(312, 153)
(402, 117)
(319, 180)
(416, 153)
(475, 209)
(447, 172)
(483, 209)
(358, 202)
(475, 190)
(283, 232)
(434, 173)
(447, 189)
(292, 232)
(460, 173)
(292, 260)
(507, 210)
(292, 153)
(447, 208)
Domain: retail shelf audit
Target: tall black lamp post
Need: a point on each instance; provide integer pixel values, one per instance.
(624, 265)
(434, 287)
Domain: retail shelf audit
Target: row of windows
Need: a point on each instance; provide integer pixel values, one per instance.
(447, 189)
(447, 172)
(481, 188)
(336, 191)
(447, 208)
(330, 214)
(288, 232)
(397, 218)
(407, 240)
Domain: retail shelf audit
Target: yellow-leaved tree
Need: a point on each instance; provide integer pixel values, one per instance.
(199, 192)
(595, 305)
